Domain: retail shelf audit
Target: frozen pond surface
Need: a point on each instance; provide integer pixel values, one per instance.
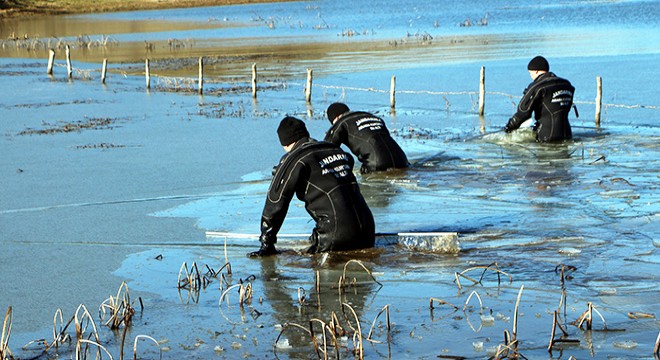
(104, 184)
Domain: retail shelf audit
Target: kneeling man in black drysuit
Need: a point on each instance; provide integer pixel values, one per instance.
(367, 137)
(550, 98)
(321, 175)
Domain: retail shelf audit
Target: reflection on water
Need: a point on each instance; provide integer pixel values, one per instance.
(319, 295)
(410, 34)
(44, 27)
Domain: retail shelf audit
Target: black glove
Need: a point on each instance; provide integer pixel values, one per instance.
(508, 128)
(267, 248)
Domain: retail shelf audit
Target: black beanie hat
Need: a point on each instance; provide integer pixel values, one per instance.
(291, 130)
(335, 110)
(538, 63)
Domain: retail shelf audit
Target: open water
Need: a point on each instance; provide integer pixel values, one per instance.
(109, 183)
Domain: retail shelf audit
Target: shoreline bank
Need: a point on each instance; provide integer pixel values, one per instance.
(18, 8)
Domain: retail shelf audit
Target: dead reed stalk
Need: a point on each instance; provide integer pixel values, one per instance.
(224, 293)
(342, 279)
(457, 279)
(324, 326)
(552, 333)
(81, 328)
(254, 313)
(562, 339)
(334, 323)
(223, 279)
(564, 272)
(587, 317)
(481, 305)
(640, 315)
(302, 296)
(515, 314)
(81, 324)
(227, 265)
(386, 310)
(166, 83)
(285, 327)
(359, 349)
(493, 267)
(192, 279)
(120, 309)
(308, 86)
(123, 342)
(59, 334)
(509, 350)
(146, 337)
(508, 346)
(440, 302)
(244, 292)
(563, 301)
(82, 354)
(5, 353)
(317, 287)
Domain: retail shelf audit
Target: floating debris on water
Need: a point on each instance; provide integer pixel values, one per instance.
(478, 346)
(611, 291)
(93, 123)
(620, 194)
(487, 320)
(283, 344)
(640, 315)
(569, 251)
(628, 344)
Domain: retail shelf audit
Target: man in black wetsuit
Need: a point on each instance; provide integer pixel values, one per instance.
(366, 136)
(550, 99)
(321, 175)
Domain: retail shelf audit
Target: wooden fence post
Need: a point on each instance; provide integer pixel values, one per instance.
(393, 92)
(201, 75)
(308, 87)
(68, 62)
(147, 74)
(104, 70)
(599, 98)
(482, 90)
(254, 80)
(51, 61)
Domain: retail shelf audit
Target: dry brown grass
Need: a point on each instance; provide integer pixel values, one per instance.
(12, 8)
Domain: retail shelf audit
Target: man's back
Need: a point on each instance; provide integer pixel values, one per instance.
(369, 139)
(553, 108)
(549, 98)
(321, 175)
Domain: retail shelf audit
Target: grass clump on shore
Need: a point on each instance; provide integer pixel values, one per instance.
(12, 8)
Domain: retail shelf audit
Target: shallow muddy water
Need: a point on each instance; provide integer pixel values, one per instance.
(109, 183)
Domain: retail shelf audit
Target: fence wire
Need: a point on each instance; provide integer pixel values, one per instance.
(187, 82)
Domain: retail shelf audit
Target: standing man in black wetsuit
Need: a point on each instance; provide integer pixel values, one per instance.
(321, 175)
(550, 99)
(366, 136)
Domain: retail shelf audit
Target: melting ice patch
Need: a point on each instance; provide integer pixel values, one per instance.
(236, 210)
